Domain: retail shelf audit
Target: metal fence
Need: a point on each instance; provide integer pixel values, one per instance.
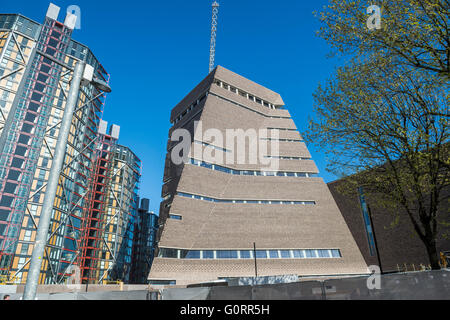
(111, 295)
(425, 285)
(401, 286)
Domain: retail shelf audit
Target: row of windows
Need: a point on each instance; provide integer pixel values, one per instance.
(191, 107)
(197, 197)
(283, 140)
(205, 144)
(244, 94)
(197, 102)
(242, 106)
(251, 172)
(249, 254)
(282, 129)
(287, 158)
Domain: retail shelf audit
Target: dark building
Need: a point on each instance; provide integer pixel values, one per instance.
(385, 237)
(144, 241)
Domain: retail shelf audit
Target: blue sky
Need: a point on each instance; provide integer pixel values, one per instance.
(157, 51)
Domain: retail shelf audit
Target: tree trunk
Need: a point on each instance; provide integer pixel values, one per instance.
(433, 255)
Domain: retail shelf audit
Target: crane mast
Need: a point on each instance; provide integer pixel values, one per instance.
(212, 51)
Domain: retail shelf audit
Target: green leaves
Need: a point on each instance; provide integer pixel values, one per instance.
(416, 32)
(384, 117)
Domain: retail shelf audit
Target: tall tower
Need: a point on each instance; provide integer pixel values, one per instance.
(36, 66)
(212, 50)
(213, 212)
(108, 225)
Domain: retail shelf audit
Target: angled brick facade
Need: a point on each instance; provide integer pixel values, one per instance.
(291, 217)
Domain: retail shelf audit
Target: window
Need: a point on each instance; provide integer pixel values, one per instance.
(367, 221)
(336, 253)
(39, 87)
(208, 254)
(198, 197)
(50, 51)
(27, 128)
(193, 254)
(10, 188)
(33, 106)
(17, 163)
(298, 253)
(168, 253)
(323, 253)
(6, 201)
(261, 254)
(226, 254)
(4, 214)
(36, 96)
(30, 117)
(310, 253)
(45, 162)
(13, 175)
(53, 42)
(175, 217)
(163, 282)
(290, 174)
(248, 254)
(42, 77)
(273, 254)
(45, 68)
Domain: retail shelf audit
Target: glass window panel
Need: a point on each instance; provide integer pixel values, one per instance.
(193, 254)
(298, 253)
(310, 253)
(261, 254)
(273, 254)
(246, 254)
(168, 253)
(13, 175)
(6, 201)
(285, 254)
(30, 117)
(36, 96)
(336, 253)
(323, 253)
(10, 188)
(4, 214)
(27, 128)
(17, 163)
(208, 254)
(291, 174)
(33, 106)
(226, 254)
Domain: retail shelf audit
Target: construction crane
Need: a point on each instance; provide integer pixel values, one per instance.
(212, 51)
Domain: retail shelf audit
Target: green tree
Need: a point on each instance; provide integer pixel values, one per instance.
(415, 32)
(386, 112)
